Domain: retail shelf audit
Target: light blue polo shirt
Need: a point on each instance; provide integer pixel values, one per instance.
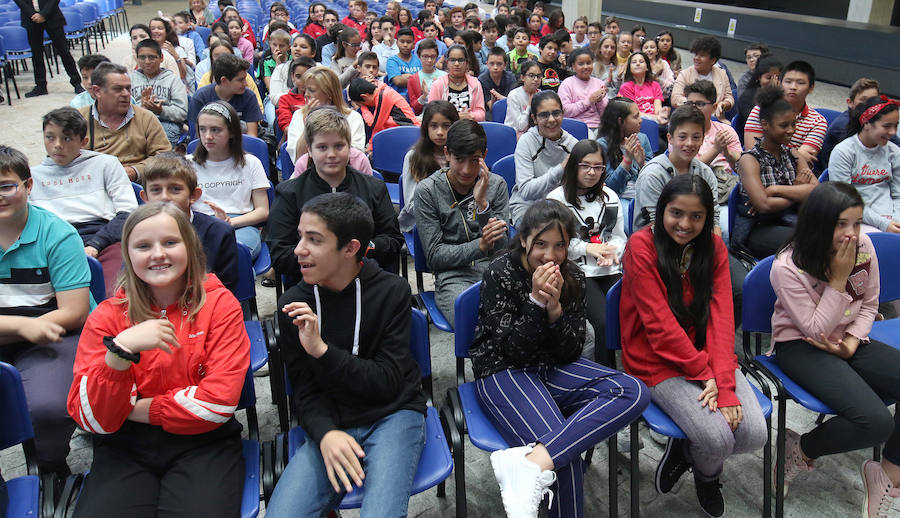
(47, 258)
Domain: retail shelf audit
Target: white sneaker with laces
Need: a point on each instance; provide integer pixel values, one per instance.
(522, 483)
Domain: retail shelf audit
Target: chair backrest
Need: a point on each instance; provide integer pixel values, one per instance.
(253, 145)
(419, 343)
(284, 162)
(138, 189)
(419, 261)
(246, 285)
(389, 147)
(501, 141)
(824, 176)
(613, 330)
(629, 216)
(829, 115)
(378, 175)
(758, 301)
(506, 167)
(16, 39)
(734, 122)
(465, 319)
(498, 111)
(204, 32)
(576, 128)
(15, 421)
(98, 285)
(887, 248)
(74, 22)
(650, 128)
(732, 207)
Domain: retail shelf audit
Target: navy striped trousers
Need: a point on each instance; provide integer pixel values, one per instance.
(567, 408)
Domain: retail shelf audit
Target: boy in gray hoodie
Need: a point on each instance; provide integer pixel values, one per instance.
(159, 90)
(461, 213)
(90, 190)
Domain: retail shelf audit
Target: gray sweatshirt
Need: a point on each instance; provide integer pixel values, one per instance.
(168, 88)
(651, 180)
(538, 169)
(876, 175)
(450, 230)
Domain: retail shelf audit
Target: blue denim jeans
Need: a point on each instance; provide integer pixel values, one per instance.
(392, 446)
(249, 237)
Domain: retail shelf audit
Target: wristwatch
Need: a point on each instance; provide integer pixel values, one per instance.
(110, 343)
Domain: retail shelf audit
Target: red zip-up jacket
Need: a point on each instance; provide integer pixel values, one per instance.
(195, 389)
(287, 104)
(654, 346)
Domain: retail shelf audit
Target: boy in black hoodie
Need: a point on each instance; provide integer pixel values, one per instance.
(356, 387)
(328, 138)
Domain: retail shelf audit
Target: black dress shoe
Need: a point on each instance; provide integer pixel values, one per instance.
(36, 91)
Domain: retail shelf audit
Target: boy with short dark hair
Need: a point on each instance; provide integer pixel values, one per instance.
(706, 50)
(229, 85)
(752, 53)
(170, 177)
(159, 89)
(461, 213)
(496, 80)
(553, 72)
(367, 67)
(89, 190)
(381, 107)
(861, 91)
(519, 52)
(86, 66)
(419, 84)
(798, 79)
(184, 23)
(388, 46)
(431, 31)
(357, 388)
(721, 148)
(404, 64)
(329, 172)
(490, 31)
(45, 302)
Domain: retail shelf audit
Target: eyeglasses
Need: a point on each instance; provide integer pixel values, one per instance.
(546, 115)
(8, 189)
(354, 45)
(697, 104)
(534, 76)
(147, 57)
(599, 168)
(456, 61)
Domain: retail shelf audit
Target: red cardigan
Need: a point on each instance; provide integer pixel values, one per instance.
(654, 346)
(287, 105)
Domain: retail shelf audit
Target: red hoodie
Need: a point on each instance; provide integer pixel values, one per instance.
(390, 110)
(195, 389)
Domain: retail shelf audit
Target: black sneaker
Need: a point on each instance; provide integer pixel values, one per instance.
(36, 91)
(672, 466)
(709, 494)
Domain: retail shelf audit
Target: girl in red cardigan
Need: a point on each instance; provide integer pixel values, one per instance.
(678, 338)
(157, 378)
(294, 99)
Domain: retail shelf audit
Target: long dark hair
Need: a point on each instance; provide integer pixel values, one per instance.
(649, 76)
(672, 54)
(309, 19)
(854, 127)
(171, 37)
(343, 37)
(422, 162)
(470, 37)
(611, 122)
(541, 216)
(669, 257)
(536, 100)
(570, 173)
(813, 237)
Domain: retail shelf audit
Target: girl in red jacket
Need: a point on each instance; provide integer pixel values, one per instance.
(157, 378)
(678, 338)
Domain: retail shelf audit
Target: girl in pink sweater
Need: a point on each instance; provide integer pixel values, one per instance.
(826, 281)
(583, 96)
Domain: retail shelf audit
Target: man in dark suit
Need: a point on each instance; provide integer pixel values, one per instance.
(39, 16)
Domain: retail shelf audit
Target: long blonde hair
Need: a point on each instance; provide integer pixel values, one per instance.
(326, 80)
(138, 296)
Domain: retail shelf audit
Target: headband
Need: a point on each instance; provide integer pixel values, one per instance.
(219, 109)
(872, 111)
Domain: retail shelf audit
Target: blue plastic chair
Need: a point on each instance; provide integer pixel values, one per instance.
(253, 145)
(576, 128)
(7, 72)
(734, 121)
(74, 28)
(824, 176)
(285, 164)
(427, 297)
(506, 167)
(732, 207)
(629, 215)
(887, 247)
(138, 189)
(658, 421)
(15, 40)
(15, 429)
(98, 286)
(468, 415)
(389, 148)
(501, 141)
(830, 115)
(650, 128)
(435, 462)
(498, 111)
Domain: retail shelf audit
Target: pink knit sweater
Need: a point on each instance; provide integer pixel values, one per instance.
(574, 94)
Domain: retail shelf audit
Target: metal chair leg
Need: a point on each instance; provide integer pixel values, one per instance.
(635, 472)
(613, 463)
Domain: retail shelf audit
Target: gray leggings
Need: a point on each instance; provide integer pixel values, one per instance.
(710, 439)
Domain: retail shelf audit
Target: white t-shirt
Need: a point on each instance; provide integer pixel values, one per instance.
(229, 186)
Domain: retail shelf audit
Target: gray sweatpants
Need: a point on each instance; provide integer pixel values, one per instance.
(710, 439)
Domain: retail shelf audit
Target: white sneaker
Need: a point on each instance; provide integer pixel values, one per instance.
(522, 483)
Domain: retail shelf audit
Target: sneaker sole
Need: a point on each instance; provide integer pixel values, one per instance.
(658, 476)
(865, 506)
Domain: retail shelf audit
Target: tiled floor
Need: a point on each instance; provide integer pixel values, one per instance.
(834, 490)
